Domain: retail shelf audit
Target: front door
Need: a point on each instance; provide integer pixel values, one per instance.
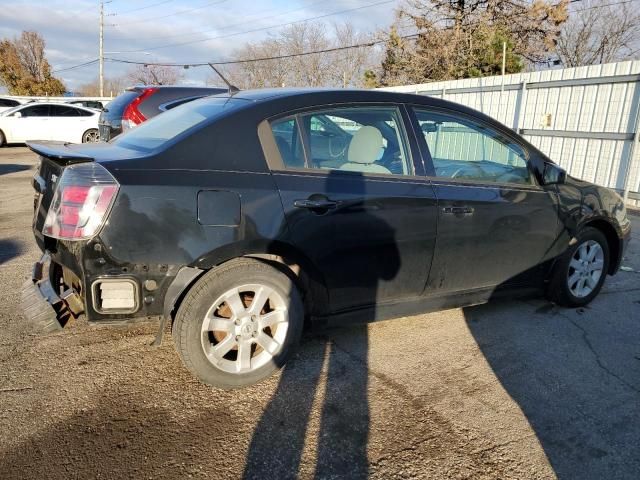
(31, 124)
(495, 223)
(355, 205)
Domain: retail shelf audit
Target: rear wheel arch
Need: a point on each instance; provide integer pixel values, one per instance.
(279, 255)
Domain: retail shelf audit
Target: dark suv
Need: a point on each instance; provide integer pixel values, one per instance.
(138, 104)
(239, 217)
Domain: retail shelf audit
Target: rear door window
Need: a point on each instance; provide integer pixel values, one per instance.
(359, 139)
(60, 111)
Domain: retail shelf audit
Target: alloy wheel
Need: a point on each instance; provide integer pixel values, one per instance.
(92, 136)
(245, 328)
(585, 269)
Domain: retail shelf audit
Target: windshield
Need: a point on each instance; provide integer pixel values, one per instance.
(9, 111)
(168, 125)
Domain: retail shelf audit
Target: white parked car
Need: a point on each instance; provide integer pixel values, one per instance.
(8, 103)
(49, 121)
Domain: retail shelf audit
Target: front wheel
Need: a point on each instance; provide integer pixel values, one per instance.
(91, 136)
(580, 272)
(238, 324)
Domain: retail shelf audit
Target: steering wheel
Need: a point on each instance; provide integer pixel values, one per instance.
(461, 170)
(391, 159)
(509, 177)
(340, 153)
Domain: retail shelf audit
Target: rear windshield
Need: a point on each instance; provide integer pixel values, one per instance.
(117, 105)
(159, 130)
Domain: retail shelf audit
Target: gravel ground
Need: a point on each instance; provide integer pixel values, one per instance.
(513, 389)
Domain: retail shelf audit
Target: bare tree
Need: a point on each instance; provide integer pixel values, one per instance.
(464, 38)
(154, 75)
(24, 69)
(599, 32)
(30, 48)
(296, 67)
(112, 87)
(533, 26)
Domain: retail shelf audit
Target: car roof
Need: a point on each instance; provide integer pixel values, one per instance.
(303, 97)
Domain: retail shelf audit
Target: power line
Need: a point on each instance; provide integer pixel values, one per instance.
(216, 2)
(261, 59)
(317, 17)
(142, 8)
(91, 62)
(603, 6)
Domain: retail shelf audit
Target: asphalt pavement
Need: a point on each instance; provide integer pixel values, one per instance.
(512, 389)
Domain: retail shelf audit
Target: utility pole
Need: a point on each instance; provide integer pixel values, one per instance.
(504, 57)
(101, 54)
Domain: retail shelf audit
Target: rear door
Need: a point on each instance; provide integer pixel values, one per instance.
(356, 203)
(495, 223)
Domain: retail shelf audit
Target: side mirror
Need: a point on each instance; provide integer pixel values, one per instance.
(17, 115)
(553, 174)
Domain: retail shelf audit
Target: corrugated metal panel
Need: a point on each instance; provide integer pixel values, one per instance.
(599, 100)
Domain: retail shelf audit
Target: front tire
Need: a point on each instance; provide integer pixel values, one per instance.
(238, 324)
(2, 139)
(580, 272)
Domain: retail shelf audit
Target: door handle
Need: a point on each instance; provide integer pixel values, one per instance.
(461, 211)
(316, 204)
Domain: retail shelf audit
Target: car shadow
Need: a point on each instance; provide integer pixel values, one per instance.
(574, 376)
(9, 249)
(329, 380)
(6, 168)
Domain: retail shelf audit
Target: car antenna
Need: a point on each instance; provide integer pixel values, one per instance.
(232, 88)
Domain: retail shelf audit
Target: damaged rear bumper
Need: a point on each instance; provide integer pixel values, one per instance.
(47, 310)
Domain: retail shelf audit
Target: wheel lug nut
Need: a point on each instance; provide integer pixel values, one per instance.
(237, 338)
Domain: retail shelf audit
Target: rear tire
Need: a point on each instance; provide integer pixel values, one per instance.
(579, 273)
(2, 139)
(228, 340)
(91, 136)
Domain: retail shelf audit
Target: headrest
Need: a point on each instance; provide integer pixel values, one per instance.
(365, 145)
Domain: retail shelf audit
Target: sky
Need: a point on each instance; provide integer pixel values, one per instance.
(188, 31)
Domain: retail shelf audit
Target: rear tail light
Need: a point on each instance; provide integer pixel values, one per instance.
(132, 116)
(81, 202)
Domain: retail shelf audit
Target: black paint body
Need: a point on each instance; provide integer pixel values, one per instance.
(213, 194)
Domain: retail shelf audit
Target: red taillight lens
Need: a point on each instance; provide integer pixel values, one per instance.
(132, 116)
(81, 202)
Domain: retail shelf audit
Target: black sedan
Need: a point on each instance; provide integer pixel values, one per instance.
(239, 218)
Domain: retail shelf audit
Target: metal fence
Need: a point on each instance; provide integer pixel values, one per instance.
(584, 118)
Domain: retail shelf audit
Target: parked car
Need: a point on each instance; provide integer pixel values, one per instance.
(239, 217)
(97, 104)
(7, 103)
(138, 104)
(49, 121)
